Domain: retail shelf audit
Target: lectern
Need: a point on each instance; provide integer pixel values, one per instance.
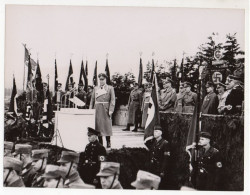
(71, 128)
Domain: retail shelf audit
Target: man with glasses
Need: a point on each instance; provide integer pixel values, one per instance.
(11, 170)
(210, 102)
(189, 99)
(39, 163)
(23, 153)
(103, 100)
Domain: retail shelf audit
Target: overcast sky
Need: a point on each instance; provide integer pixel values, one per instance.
(79, 32)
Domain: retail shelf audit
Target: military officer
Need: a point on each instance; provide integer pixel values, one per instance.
(179, 98)
(23, 152)
(109, 175)
(222, 96)
(69, 163)
(11, 170)
(233, 104)
(92, 156)
(39, 158)
(82, 95)
(69, 94)
(146, 181)
(145, 103)
(167, 96)
(53, 177)
(8, 147)
(89, 95)
(134, 105)
(159, 150)
(103, 100)
(189, 99)
(211, 101)
(209, 164)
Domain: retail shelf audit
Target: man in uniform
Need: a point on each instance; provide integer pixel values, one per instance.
(53, 177)
(23, 153)
(11, 170)
(233, 104)
(159, 150)
(209, 164)
(69, 94)
(145, 103)
(39, 158)
(109, 175)
(222, 96)
(103, 100)
(69, 163)
(134, 105)
(8, 147)
(179, 98)
(58, 97)
(211, 101)
(167, 96)
(146, 181)
(89, 95)
(82, 95)
(94, 154)
(189, 99)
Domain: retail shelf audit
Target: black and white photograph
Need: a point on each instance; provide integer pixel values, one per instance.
(125, 97)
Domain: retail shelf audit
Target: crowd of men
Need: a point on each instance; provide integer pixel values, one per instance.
(223, 99)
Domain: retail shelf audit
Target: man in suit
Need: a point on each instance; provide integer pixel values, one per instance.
(233, 104)
(211, 101)
(134, 105)
(167, 96)
(103, 100)
(93, 155)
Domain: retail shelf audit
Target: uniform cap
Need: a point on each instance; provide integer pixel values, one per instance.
(102, 75)
(68, 156)
(187, 84)
(157, 127)
(209, 84)
(167, 80)
(205, 134)
(82, 186)
(22, 149)
(8, 145)
(235, 77)
(146, 180)
(221, 85)
(40, 154)
(12, 163)
(92, 131)
(52, 172)
(108, 169)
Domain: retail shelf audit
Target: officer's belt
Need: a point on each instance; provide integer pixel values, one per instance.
(101, 102)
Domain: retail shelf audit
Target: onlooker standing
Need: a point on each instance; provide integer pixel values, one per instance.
(134, 105)
(210, 102)
(189, 99)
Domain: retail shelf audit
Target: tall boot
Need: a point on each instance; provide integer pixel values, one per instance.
(136, 124)
(108, 142)
(100, 140)
(127, 128)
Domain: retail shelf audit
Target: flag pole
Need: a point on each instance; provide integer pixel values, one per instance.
(24, 65)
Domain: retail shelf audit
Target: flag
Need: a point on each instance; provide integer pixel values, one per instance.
(83, 78)
(182, 70)
(140, 74)
(56, 78)
(153, 118)
(13, 104)
(107, 73)
(152, 71)
(28, 112)
(86, 68)
(29, 76)
(39, 84)
(95, 81)
(70, 77)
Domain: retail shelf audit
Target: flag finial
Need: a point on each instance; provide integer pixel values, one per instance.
(107, 55)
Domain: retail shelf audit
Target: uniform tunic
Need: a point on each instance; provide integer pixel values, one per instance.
(28, 174)
(210, 104)
(144, 108)
(178, 102)
(209, 169)
(134, 104)
(38, 180)
(103, 100)
(167, 99)
(83, 97)
(189, 100)
(234, 98)
(90, 162)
